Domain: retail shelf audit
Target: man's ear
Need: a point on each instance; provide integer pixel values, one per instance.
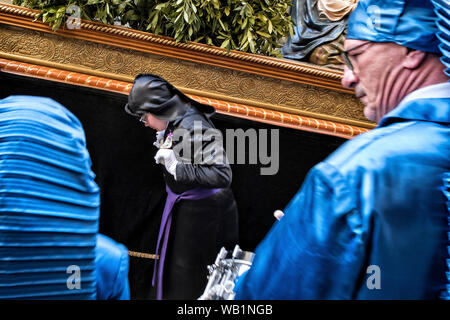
(413, 59)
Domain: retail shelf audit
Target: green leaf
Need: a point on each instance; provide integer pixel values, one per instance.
(252, 45)
(57, 24)
(155, 21)
(264, 34)
(161, 5)
(222, 25)
(244, 24)
(225, 43)
(244, 46)
(178, 18)
(249, 35)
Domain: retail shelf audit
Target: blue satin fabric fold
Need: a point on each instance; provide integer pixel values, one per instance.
(49, 202)
(112, 269)
(410, 23)
(446, 191)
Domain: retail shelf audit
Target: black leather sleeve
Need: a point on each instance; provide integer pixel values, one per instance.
(201, 154)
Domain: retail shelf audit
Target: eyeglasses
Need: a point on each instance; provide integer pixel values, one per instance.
(346, 56)
(143, 118)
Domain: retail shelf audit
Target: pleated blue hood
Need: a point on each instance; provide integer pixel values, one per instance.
(410, 23)
(49, 201)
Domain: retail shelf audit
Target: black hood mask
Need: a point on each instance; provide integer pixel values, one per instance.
(155, 95)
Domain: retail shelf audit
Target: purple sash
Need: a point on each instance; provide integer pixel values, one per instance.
(164, 229)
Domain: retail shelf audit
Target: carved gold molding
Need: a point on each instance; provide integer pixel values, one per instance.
(120, 54)
(196, 52)
(232, 109)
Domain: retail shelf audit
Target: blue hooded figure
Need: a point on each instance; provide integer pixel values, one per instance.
(371, 221)
(49, 209)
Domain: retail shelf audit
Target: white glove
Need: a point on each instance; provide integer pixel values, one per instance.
(278, 214)
(159, 138)
(168, 159)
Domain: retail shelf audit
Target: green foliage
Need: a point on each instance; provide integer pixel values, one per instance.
(250, 26)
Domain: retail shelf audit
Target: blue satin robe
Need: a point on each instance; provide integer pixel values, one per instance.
(112, 263)
(376, 201)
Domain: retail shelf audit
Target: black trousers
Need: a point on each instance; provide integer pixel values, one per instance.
(199, 229)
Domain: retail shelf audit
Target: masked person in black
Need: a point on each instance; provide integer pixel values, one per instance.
(200, 210)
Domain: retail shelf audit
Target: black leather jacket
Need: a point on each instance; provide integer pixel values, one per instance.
(200, 152)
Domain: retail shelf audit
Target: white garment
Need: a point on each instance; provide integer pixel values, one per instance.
(440, 90)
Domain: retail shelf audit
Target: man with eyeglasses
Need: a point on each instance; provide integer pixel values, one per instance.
(371, 222)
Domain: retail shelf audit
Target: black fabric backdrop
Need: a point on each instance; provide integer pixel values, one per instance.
(131, 184)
